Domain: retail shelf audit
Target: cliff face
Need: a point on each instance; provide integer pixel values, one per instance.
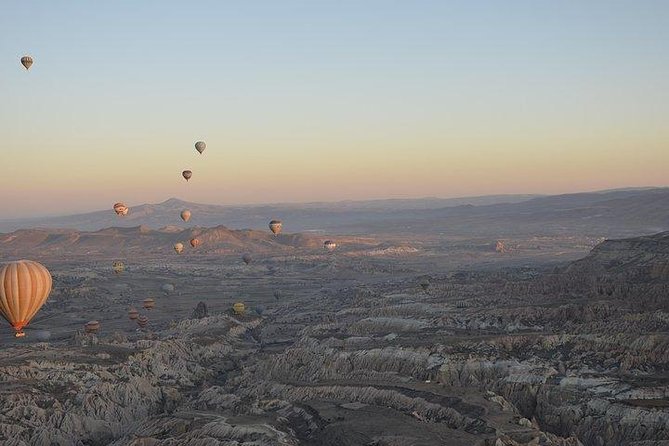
(640, 259)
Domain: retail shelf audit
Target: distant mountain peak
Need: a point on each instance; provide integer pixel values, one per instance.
(174, 201)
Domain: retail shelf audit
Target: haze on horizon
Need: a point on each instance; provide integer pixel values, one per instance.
(327, 101)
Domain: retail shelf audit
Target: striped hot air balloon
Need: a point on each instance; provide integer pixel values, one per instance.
(121, 209)
(24, 287)
(27, 62)
(275, 226)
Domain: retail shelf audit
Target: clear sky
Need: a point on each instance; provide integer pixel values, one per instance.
(328, 100)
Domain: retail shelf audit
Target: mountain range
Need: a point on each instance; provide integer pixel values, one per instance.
(614, 213)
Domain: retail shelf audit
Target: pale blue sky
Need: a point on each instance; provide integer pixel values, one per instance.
(316, 100)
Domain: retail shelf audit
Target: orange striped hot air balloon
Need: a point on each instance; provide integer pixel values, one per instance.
(24, 287)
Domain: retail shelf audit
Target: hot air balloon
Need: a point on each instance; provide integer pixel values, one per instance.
(121, 209)
(27, 62)
(142, 321)
(200, 146)
(132, 313)
(118, 267)
(179, 247)
(187, 174)
(330, 245)
(24, 287)
(149, 303)
(247, 258)
(185, 215)
(92, 327)
(194, 242)
(239, 308)
(425, 284)
(259, 309)
(275, 226)
(167, 288)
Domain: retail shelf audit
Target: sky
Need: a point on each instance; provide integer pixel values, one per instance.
(328, 100)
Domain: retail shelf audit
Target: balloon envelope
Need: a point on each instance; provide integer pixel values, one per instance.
(275, 226)
(185, 215)
(200, 146)
(179, 247)
(330, 245)
(132, 314)
(187, 174)
(92, 327)
(121, 209)
(239, 308)
(27, 62)
(247, 258)
(149, 303)
(194, 242)
(118, 267)
(24, 287)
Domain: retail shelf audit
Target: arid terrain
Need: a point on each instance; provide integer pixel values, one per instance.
(527, 333)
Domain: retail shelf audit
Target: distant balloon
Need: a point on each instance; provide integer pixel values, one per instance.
(27, 62)
(194, 242)
(185, 215)
(187, 174)
(330, 245)
(259, 309)
(200, 146)
(142, 321)
(132, 314)
(425, 284)
(24, 287)
(179, 247)
(247, 258)
(149, 303)
(239, 308)
(275, 226)
(121, 209)
(92, 327)
(118, 267)
(167, 288)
